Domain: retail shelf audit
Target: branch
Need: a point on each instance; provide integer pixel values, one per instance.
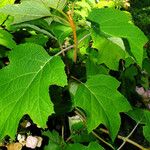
(82, 116)
(124, 142)
(97, 136)
(125, 139)
(72, 46)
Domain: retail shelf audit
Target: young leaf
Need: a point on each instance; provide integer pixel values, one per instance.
(101, 101)
(117, 23)
(24, 86)
(6, 39)
(26, 11)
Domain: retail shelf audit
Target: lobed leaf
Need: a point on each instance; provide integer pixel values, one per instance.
(109, 52)
(101, 101)
(117, 23)
(24, 86)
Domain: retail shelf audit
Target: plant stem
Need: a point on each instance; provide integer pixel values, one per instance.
(128, 136)
(73, 27)
(125, 139)
(72, 46)
(97, 136)
(82, 116)
(64, 50)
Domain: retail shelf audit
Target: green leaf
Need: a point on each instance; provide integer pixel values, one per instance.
(60, 31)
(5, 2)
(101, 101)
(142, 116)
(109, 53)
(91, 146)
(79, 133)
(39, 39)
(94, 69)
(57, 4)
(6, 39)
(117, 23)
(26, 11)
(24, 86)
(146, 65)
(2, 4)
(55, 141)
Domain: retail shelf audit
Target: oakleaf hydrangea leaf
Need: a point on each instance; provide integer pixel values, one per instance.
(26, 11)
(102, 103)
(109, 52)
(24, 86)
(117, 23)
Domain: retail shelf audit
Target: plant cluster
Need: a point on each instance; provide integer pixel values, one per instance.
(74, 75)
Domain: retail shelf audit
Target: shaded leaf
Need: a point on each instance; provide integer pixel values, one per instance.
(94, 69)
(109, 53)
(60, 31)
(142, 116)
(24, 86)
(6, 39)
(37, 39)
(55, 141)
(101, 101)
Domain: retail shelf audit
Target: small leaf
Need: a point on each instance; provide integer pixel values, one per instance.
(26, 11)
(6, 39)
(142, 116)
(24, 86)
(101, 101)
(55, 141)
(117, 23)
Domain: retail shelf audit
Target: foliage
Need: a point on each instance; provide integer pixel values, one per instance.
(65, 65)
